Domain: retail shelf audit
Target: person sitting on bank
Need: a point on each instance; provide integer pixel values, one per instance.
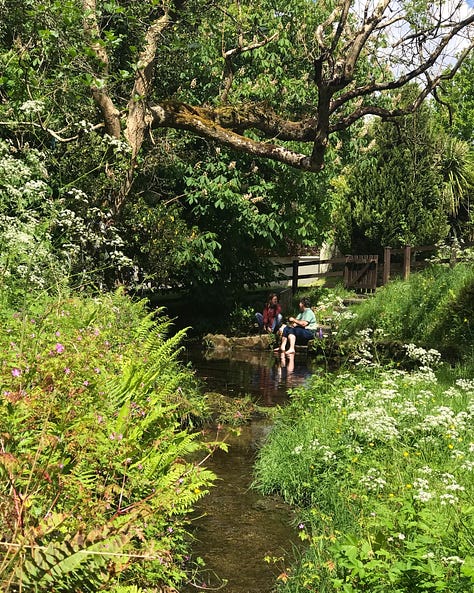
(271, 318)
(300, 329)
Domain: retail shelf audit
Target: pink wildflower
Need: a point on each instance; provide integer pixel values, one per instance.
(59, 348)
(16, 372)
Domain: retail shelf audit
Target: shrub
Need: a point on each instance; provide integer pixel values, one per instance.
(96, 477)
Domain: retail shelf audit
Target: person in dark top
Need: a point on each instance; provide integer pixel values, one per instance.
(271, 318)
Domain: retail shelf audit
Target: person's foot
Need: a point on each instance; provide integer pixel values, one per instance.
(290, 351)
(277, 349)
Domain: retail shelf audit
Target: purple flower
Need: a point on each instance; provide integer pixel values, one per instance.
(59, 348)
(301, 526)
(57, 334)
(67, 371)
(16, 372)
(86, 383)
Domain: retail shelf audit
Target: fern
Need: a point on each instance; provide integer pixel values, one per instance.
(105, 447)
(71, 566)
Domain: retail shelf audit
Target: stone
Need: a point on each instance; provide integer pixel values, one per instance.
(221, 342)
(217, 341)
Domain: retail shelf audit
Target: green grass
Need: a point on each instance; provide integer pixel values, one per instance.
(434, 308)
(380, 463)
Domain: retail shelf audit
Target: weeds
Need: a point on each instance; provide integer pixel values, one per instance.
(95, 437)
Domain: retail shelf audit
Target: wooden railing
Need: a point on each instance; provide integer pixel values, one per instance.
(408, 263)
(314, 262)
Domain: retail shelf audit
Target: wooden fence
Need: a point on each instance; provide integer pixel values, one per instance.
(363, 272)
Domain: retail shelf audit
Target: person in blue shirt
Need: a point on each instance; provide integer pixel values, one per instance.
(300, 329)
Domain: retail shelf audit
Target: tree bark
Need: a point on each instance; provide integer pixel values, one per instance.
(341, 40)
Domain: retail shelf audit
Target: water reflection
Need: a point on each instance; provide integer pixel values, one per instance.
(236, 527)
(266, 376)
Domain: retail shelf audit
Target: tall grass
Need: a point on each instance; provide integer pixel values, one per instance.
(380, 464)
(434, 308)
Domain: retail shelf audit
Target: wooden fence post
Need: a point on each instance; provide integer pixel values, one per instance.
(406, 262)
(294, 280)
(387, 254)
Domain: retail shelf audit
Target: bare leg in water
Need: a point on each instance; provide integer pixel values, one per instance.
(283, 344)
(292, 340)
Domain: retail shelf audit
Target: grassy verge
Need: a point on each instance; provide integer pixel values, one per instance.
(435, 309)
(380, 463)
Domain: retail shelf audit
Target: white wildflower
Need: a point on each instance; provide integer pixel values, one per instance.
(373, 480)
(452, 560)
(448, 499)
(32, 107)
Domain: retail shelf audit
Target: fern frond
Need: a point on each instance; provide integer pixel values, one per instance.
(73, 565)
(139, 377)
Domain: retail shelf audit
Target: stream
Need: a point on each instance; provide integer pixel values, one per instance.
(245, 539)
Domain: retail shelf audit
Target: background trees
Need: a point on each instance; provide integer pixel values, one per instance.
(152, 120)
(394, 193)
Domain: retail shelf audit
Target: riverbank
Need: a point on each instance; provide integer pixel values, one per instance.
(98, 422)
(380, 463)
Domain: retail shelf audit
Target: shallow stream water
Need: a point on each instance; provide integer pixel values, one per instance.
(235, 528)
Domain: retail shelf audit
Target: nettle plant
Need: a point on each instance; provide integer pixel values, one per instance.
(96, 476)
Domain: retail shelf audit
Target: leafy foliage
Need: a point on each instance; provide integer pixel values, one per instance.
(159, 207)
(96, 476)
(380, 464)
(393, 195)
(457, 106)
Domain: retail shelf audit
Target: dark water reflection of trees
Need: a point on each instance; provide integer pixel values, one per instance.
(236, 528)
(266, 376)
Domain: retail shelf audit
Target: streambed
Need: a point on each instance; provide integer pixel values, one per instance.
(246, 540)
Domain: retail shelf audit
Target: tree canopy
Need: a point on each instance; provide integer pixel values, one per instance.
(160, 117)
(250, 75)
